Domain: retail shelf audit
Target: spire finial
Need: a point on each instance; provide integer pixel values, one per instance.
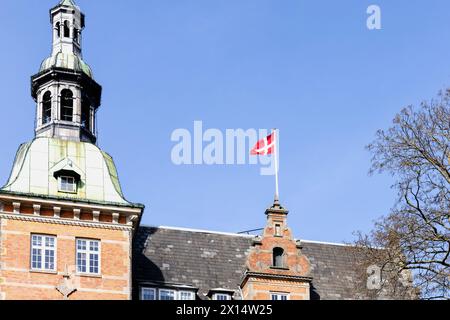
(69, 3)
(276, 201)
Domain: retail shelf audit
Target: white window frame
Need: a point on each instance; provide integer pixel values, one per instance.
(42, 249)
(190, 293)
(167, 290)
(60, 184)
(224, 295)
(149, 289)
(279, 295)
(88, 252)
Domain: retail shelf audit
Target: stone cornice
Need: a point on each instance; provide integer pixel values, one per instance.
(250, 274)
(71, 203)
(69, 222)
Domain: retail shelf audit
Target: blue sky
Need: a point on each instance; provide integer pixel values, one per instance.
(310, 68)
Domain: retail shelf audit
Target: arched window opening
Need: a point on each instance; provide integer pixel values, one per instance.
(75, 35)
(66, 29)
(58, 29)
(66, 105)
(278, 257)
(46, 107)
(86, 113)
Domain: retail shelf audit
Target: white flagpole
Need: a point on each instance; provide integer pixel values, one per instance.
(277, 193)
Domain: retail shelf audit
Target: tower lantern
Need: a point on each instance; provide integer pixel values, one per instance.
(66, 94)
(68, 22)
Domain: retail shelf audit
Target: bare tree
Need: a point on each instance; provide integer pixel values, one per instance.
(415, 236)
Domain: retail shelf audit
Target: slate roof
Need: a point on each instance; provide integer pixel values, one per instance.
(208, 260)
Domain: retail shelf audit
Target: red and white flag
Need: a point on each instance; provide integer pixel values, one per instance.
(265, 146)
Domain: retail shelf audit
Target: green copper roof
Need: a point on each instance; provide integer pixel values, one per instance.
(66, 61)
(37, 162)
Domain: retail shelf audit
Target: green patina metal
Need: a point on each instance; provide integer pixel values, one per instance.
(36, 163)
(68, 61)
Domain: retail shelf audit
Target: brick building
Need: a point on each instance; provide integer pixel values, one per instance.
(65, 227)
(67, 231)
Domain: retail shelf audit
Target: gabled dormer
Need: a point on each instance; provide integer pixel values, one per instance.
(276, 267)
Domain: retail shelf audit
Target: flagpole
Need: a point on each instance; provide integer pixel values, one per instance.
(277, 193)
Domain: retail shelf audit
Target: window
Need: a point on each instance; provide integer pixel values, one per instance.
(67, 184)
(278, 257)
(279, 296)
(86, 113)
(58, 30)
(66, 29)
(75, 35)
(88, 256)
(148, 294)
(221, 296)
(186, 295)
(66, 105)
(43, 252)
(278, 230)
(46, 107)
(166, 294)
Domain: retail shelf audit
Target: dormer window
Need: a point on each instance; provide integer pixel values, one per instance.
(221, 296)
(67, 184)
(68, 176)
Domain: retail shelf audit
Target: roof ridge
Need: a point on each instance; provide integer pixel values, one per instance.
(327, 243)
(200, 231)
(237, 234)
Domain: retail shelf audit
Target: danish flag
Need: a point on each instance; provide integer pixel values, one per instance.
(264, 146)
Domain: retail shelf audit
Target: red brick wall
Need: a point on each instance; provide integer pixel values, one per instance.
(17, 281)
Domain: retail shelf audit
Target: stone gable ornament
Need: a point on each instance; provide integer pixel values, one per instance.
(65, 287)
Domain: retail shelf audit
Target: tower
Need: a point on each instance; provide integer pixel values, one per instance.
(66, 94)
(276, 267)
(66, 228)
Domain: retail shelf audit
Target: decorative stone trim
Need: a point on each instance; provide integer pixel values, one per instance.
(76, 214)
(96, 216)
(276, 276)
(37, 209)
(57, 212)
(115, 217)
(16, 206)
(65, 222)
(67, 203)
(131, 219)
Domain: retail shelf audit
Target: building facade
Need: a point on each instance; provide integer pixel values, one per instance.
(65, 227)
(67, 231)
